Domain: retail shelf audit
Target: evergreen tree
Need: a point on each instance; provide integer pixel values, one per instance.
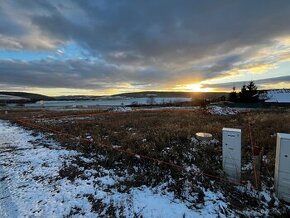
(243, 94)
(233, 96)
(253, 92)
(249, 93)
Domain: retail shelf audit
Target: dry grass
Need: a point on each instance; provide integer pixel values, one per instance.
(164, 135)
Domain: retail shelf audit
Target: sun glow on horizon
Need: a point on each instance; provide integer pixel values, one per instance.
(194, 87)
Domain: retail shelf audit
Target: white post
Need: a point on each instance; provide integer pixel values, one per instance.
(232, 153)
(282, 167)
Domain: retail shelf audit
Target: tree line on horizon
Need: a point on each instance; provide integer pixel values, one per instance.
(248, 94)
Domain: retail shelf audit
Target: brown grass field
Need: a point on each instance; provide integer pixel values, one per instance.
(163, 135)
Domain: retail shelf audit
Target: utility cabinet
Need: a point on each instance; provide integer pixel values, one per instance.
(282, 167)
(232, 153)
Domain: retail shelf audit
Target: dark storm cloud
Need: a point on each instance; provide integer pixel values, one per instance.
(80, 73)
(169, 30)
(260, 82)
(146, 42)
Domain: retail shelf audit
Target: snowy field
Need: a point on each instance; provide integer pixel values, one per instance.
(278, 96)
(32, 185)
(40, 177)
(105, 102)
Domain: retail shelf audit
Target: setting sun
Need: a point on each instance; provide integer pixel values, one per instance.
(196, 88)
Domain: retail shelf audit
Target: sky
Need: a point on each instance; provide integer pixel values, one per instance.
(103, 47)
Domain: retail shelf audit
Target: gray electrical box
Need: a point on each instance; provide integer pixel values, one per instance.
(232, 153)
(282, 167)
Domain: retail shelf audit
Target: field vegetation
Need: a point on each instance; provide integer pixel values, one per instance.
(153, 147)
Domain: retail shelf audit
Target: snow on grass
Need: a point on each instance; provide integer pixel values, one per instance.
(155, 205)
(61, 120)
(196, 142)
(30, 172)
(121, 109)
(217, 110)
(30, 166)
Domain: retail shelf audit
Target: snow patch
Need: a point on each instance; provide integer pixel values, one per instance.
(279, 96)
(217, 110)
(34, 187)
(121, 109)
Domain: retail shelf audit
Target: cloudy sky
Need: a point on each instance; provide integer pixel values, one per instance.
(109, 46)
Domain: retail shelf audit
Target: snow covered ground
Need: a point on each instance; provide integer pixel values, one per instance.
(32, 184)
(280, 96)
(217, 110)
(41, 178)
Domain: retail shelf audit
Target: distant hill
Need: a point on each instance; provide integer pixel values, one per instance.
(145, 94)
(76, 97)
(174, 94)
(31, 96)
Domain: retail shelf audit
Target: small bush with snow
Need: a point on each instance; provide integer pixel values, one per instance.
(217, 110)
(121, 109)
